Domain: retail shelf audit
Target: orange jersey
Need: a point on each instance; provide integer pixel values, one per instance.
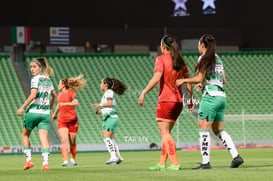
(67, 113)
(168, 91)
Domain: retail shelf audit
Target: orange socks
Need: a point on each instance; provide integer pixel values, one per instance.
(65, 152)
(171, 149)
(73, 151)
(164, 155)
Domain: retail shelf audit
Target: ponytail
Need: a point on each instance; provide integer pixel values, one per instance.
(116, 85)
(41, 61)
(208, 60)
(74, 83)
(177, 59)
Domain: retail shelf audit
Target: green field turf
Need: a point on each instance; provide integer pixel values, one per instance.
(258, 166)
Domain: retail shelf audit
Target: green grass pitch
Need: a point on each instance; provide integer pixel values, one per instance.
(258, 166)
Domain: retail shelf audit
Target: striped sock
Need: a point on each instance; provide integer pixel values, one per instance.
(227, 142)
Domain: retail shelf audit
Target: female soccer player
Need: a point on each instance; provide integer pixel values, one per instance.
(41, 100)
(107, 108)
(68, 121)
(210, 78)
(168, 67)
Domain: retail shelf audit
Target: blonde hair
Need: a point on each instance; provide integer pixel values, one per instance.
(41, 61)
(74, 83)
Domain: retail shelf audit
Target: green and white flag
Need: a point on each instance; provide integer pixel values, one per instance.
(20, 34)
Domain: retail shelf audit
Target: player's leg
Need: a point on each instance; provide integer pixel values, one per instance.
(170, 145)
(205, 143)
(73, 148)
(27, 148)
(117, 151)
(73, 130)
(43, 134)
(28, 126)
(63, 133)
(206, 115)
(218, 128)
(108, 133)
(107, 138)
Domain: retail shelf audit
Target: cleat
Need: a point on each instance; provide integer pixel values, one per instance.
(65, 164)
(45, 167)
(112, 160)
(73, 163)
(236, 162)
(203, 166)
(174, 167)
(119, 161)
(158, 168)
(28, 165)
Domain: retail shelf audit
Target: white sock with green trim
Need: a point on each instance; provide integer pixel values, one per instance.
(117, 149)
(45, 156)
(228, 143)
(205, 143)
(27, 152)
(110, 146)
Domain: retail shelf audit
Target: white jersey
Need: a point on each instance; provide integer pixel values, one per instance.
(44, 86)
(213, 81)
(109, 111)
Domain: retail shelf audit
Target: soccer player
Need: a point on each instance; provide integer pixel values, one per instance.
(68, 120)
(168, 67)
(210, 78)
(107, 107)
(41, 100)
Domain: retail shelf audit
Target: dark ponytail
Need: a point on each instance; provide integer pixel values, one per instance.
(208, 60)
(116, 85)
(171, 44)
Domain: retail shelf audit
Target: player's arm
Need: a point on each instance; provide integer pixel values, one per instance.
(189, 89)
(109, 103)
(30, 98)
(196, 79)
(53, 99)
(224, 77)
(153, 82)
(74, 102)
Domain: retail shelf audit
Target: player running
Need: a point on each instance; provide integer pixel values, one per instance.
(68, 120)
(107, 108)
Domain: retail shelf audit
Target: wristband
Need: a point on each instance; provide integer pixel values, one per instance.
(101, 105)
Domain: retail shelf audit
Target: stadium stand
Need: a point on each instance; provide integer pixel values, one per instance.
(249, 97)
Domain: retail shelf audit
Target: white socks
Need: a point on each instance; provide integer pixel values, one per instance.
(205, 143)
(228, 143)
(117, 150)
(27, 153)
(110, 146)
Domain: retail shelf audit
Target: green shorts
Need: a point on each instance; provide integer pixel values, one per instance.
(110, 124)
(212, 108)
(32, 120)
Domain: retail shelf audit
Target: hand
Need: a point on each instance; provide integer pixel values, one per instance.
(198, 87)
(98, 112)
(96, 105)
(141, 99)
(61, 104)
(179, 82)
(191, 105)
(19, 111)
(54, 117)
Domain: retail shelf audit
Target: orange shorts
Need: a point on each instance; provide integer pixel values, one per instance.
(168, 111)
(72, 126)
